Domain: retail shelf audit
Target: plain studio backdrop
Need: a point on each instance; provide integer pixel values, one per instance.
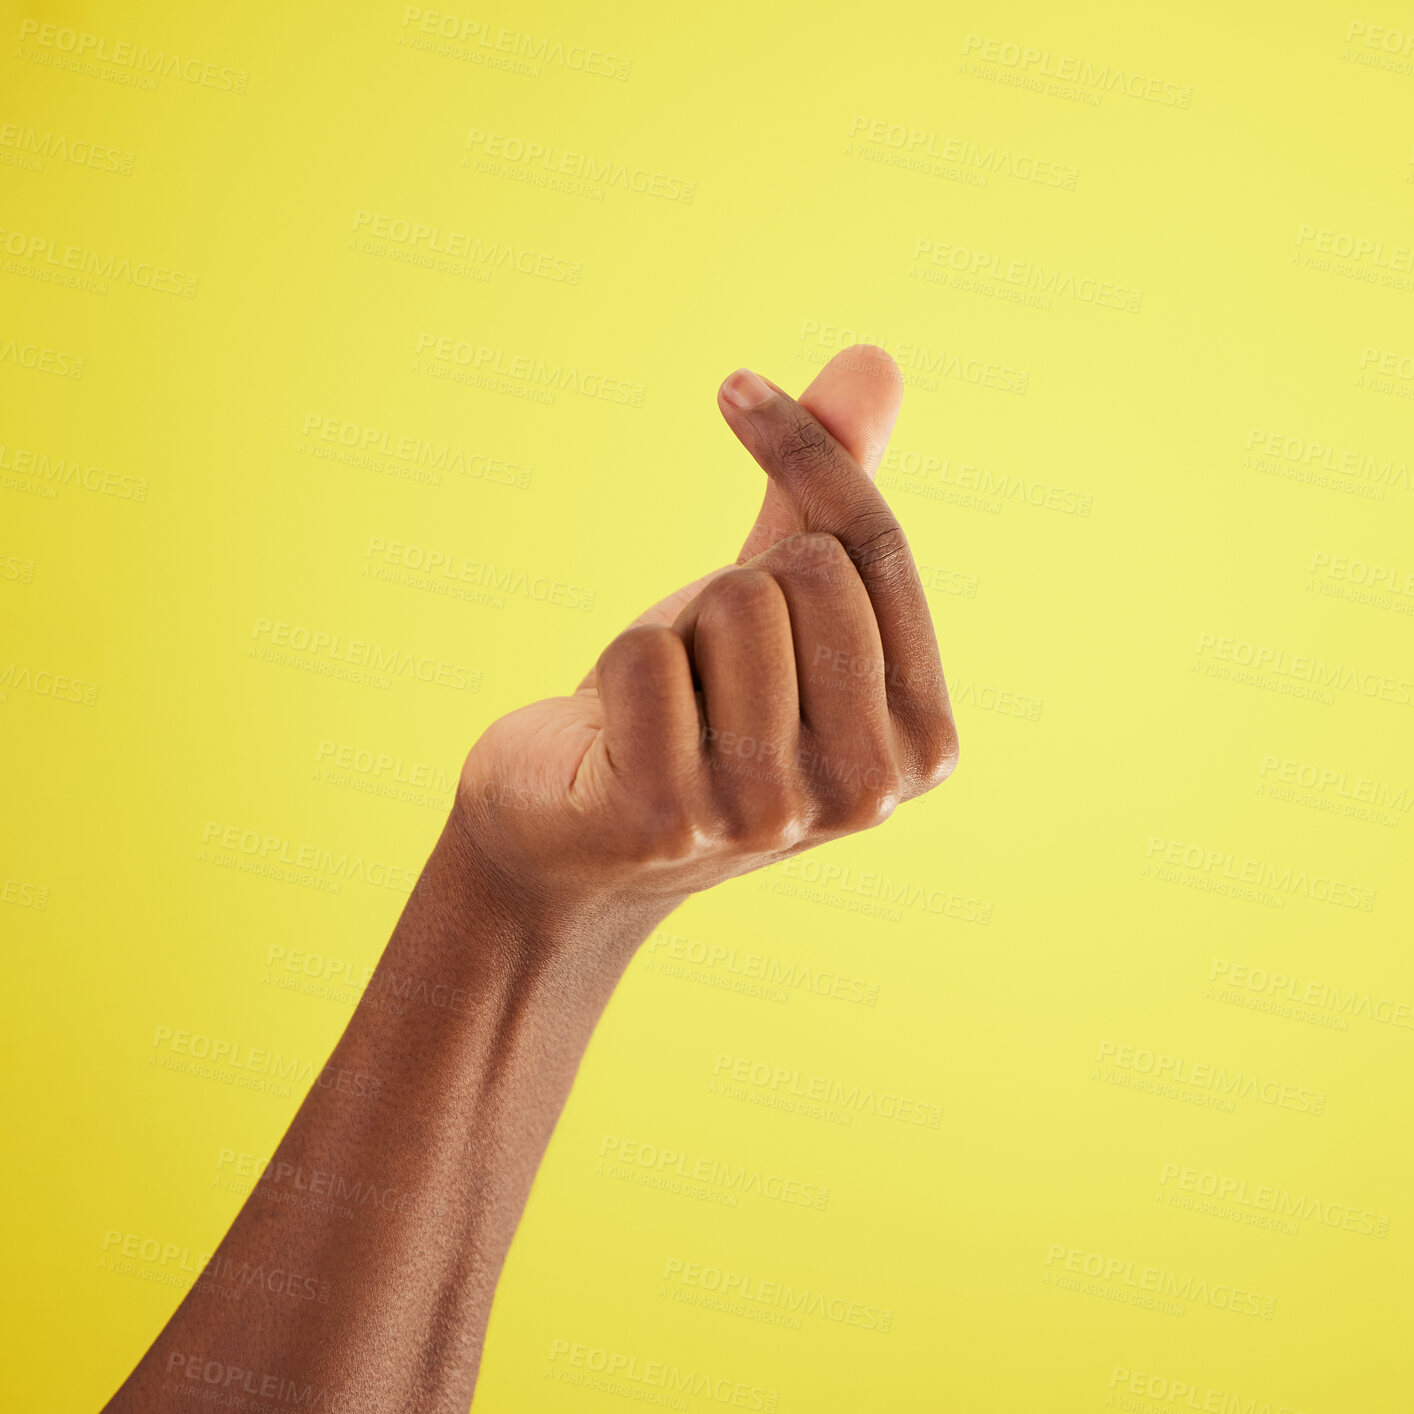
(357, 384)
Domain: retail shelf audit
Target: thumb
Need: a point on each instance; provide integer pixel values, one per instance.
(856, 398)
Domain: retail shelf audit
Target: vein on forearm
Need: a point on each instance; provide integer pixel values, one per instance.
(441, 1094)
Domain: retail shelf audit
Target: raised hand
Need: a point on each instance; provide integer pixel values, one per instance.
(793, 698)
(787, 699)
(855, 397)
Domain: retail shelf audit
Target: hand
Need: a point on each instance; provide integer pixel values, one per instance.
(791, 699)
(855, 397)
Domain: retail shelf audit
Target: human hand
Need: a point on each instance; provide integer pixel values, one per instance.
(855, 397)
(773, 705)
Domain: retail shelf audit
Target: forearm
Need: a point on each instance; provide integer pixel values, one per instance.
(364, 1261)
(686, 758)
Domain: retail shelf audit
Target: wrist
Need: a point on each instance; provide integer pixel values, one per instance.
(537, 911)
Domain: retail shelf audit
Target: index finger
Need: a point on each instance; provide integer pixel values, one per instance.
(829, 491)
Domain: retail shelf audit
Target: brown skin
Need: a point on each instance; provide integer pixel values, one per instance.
(773, 705)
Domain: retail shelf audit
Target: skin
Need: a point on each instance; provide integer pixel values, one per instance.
(788, 699)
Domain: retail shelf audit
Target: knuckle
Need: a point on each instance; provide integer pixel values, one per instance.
(766, 823)
(861, 792)
(748, 591)
(876, 802)
(663, 830)
(817, 547)
(653, 642)
(862, 811)
(870, 810)
(811, 556)
(881, 544)
(645, 652)
(937, 756)
(804, 443)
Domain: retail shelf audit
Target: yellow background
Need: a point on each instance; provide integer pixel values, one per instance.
(1106, 712)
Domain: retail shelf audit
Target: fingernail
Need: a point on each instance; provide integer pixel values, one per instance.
(745, 389)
